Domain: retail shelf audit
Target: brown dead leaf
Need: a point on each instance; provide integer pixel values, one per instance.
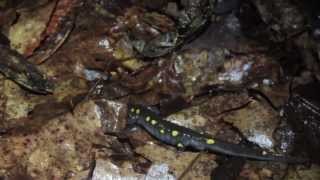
(26, 34)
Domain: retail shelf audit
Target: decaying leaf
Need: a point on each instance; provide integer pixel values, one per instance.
(26, 34)
(15, 67)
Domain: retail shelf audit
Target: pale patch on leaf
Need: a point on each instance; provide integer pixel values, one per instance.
(26, 34)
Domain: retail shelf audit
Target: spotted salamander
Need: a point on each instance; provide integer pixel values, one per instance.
(182, 137)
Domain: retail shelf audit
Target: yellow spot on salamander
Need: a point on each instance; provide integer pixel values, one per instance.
(162, 131)
(148, 118)
(154, 122)
(180, 145)
(174, 133)
(210, 141)
(137, 111)
(132, 109)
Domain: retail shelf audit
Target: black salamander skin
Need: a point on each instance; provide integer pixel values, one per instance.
(182, 137)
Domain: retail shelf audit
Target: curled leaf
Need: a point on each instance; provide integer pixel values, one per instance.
(15, 67)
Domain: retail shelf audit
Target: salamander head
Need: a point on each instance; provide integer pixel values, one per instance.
(134, 114)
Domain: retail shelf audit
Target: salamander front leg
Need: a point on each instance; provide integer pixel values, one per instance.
(123, 134)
